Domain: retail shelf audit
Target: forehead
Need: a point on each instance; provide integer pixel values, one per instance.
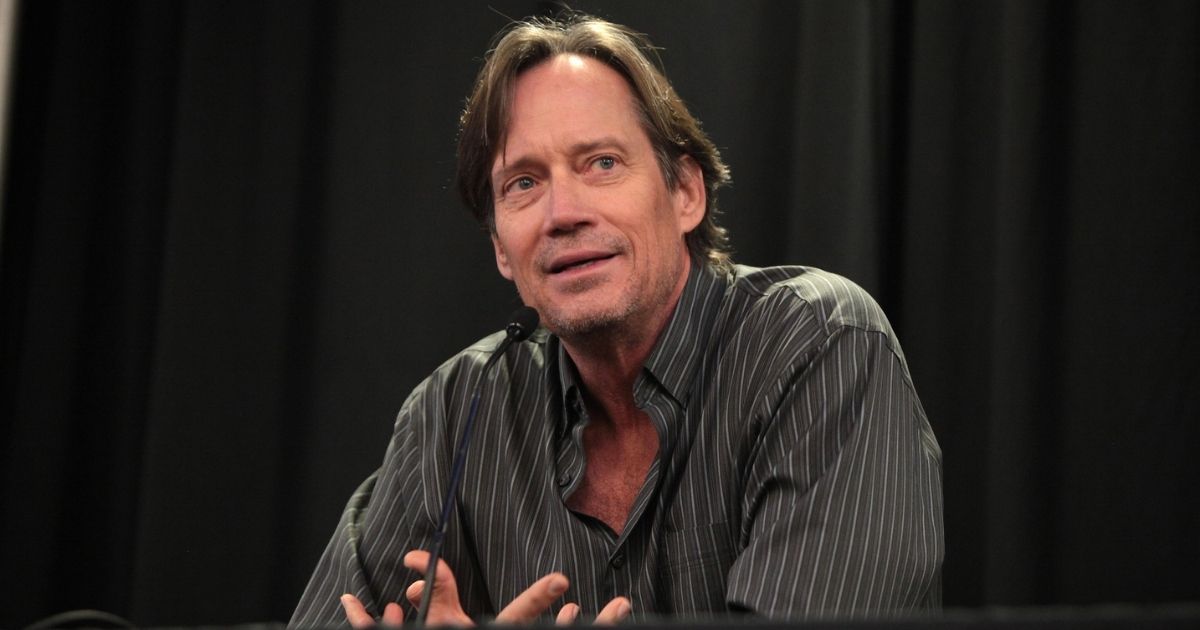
(566, 101)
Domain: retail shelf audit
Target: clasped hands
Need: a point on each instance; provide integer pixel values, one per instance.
(446, 610)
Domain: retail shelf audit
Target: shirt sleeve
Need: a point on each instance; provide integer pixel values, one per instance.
(387, 516)
(339, 571)
(844, 497)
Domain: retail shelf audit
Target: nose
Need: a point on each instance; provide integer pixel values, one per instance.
(566, 208)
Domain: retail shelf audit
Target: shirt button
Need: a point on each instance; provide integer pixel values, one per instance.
(618, 560)
(564, 480)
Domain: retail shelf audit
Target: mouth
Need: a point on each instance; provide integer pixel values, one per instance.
(577, 261)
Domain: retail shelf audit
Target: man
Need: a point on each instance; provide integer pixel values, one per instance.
(684, 436)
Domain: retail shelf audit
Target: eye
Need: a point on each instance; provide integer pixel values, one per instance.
(606, 162)
(520, 184)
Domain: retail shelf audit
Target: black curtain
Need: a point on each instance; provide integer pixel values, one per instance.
(231, 247)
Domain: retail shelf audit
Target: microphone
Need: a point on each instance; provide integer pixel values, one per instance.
(521, 324)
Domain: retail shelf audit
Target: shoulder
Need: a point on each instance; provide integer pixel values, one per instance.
(792, 312)
(833, 301)
(455, 377)
(794, 325)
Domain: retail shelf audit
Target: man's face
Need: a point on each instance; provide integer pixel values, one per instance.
(585, 224)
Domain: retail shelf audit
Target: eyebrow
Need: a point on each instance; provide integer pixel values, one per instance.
(599, 143)
(526, 162)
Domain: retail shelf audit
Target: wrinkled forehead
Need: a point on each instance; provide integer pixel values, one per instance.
(564, 102)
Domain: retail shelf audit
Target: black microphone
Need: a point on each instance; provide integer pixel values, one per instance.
(521, 324)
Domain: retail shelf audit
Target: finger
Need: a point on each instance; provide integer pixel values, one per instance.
(356, 613)
(414, 591)
(418, 561)
(535, 600)
(567, 615)
(614, 612)
(393, 615)
(444, 607)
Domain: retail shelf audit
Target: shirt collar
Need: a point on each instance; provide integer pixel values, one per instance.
(679, 350)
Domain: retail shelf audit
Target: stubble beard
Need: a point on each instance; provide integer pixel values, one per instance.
(592, 322)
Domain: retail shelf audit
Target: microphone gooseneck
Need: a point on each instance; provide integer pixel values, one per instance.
(521, 324)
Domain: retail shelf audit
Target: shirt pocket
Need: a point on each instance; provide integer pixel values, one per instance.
(696, 563)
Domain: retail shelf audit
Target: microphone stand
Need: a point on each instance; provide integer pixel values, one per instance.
(521, 324)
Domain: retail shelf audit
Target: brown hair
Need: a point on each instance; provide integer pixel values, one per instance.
(672, 129)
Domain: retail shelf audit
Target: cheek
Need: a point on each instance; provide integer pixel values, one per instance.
(666, 230)
(513, 249)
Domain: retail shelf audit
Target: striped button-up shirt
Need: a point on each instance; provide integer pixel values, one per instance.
(796, 475)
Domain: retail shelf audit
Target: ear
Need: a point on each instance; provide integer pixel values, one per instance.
(690, 195)
(501, 258)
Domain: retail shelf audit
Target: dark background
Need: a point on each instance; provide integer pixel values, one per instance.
(231, 247)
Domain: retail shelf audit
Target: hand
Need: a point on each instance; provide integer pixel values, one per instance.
(446, 610)
(613, 613)
(360, 619)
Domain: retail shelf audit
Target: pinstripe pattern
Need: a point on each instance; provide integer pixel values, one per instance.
(796, 476)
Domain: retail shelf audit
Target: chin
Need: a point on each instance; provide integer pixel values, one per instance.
(585, 322)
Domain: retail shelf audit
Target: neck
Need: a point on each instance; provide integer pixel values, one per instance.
(609, 361)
